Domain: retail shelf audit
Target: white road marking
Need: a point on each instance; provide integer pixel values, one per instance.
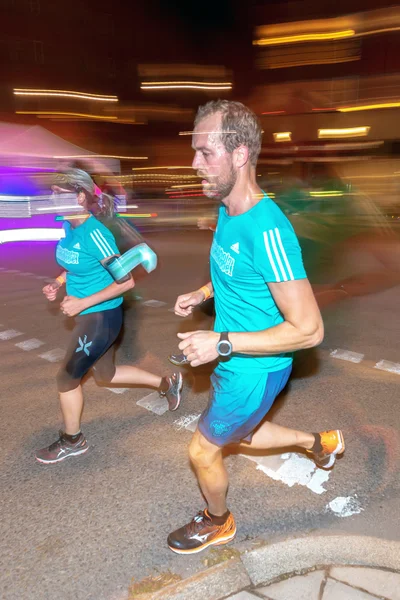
(53, 355)
(386, 365)
(154, 303)
(31, 344)
(155, 403)
(353, 357)
(118, 390)
(187, 422)
(345, 507)
(9, 334)
(292, 468)
(25, 274)
(41, 277)
(11, 271)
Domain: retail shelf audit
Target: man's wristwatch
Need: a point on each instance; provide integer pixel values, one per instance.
(224, 346)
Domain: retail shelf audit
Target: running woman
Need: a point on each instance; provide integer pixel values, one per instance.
(95, 300)
(265, 310)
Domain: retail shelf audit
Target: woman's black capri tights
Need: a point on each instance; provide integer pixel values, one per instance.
(91, 346)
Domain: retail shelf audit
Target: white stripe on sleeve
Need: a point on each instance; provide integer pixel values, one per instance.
(102, 239)
(278, 258)
(100, 247)
(271, 260)
(285, 258)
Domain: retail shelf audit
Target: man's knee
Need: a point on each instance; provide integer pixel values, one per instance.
(202, 453)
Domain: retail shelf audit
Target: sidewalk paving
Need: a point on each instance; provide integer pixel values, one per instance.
(333, 583)
(311, 567)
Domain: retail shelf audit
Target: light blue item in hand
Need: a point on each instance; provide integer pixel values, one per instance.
(120, 266)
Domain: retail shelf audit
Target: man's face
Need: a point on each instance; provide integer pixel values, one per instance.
(211, 160)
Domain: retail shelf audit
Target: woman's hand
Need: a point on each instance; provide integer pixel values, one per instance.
(72, 306)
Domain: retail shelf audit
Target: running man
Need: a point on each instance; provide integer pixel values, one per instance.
(95, 300)
(265, 310)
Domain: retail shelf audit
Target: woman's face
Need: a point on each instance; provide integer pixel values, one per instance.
(68, 200)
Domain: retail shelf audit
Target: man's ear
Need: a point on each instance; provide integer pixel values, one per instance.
(240, 156)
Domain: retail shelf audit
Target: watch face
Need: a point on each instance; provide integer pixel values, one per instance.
(224, 348)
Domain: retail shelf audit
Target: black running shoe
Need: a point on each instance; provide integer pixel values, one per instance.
(178, 359)
(200, 533)
(173, 393)
(62, 449)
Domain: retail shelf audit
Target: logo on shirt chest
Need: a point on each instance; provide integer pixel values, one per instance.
(224, 260)
(67, 256)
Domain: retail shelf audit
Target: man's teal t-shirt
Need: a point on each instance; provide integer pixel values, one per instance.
(80, 253)
(248, 252)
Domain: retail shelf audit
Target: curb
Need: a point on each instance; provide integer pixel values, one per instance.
(269, 561)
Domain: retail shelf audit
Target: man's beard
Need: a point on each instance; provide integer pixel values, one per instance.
(220, 188)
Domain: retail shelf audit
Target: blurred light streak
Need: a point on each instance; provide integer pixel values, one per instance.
(62, 207)
(283, 136)
(131, 206)
(185, 195)
(104, 156)
(65, 94)
(137, 216)
(190, 185)
(326, 194)
(314, 61)
(305, 37)
(345, 132)
(324, 109)
(182, 85)
(368, 107)
(274, 112)
(155, 168)
(48, 113)
(34, 234)
(71, 217)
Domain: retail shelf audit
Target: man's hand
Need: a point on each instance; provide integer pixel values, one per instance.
(50, 290)
(200, 347)
(72, 306)
(186, 302)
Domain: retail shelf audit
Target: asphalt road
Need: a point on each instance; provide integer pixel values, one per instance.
(85, 527)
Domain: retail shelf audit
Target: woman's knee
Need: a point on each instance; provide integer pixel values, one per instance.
(103, 373)
(65, 381)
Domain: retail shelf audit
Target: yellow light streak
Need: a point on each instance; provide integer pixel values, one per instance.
(65, 114)
(104, 156)
(345, 132)
(368, 107)
(283, 136)
(65, 94)
(155, 168)
(305, 37)
(192, 85)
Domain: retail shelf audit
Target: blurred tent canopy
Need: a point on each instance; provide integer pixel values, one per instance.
(35, 146)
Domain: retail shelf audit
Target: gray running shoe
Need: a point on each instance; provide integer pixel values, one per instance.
(61, 449)
(173, 394)
(178, 359)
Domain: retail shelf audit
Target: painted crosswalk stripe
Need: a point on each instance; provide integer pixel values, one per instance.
(11, 271)
(9, 334)
(386, 365)
(53, 355)
(118, 390)
(25, 274)
(154, 403)
(31, 344)
(154, 303)
(353, 357)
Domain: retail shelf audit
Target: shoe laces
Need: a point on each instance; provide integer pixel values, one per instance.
(197, 523)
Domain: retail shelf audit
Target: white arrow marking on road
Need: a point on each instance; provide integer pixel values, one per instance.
(386, 365)
(154, 403)
(118, 390)
(354, 357)
(9, 334)
(292, 468)
(345, 507)
(31, 344)
(154, 303)
(53, 355)
(187, 422)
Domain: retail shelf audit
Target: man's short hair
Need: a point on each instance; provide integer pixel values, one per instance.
(239, 126)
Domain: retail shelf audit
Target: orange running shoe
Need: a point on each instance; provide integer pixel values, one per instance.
(331, 444)
(200, 533)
